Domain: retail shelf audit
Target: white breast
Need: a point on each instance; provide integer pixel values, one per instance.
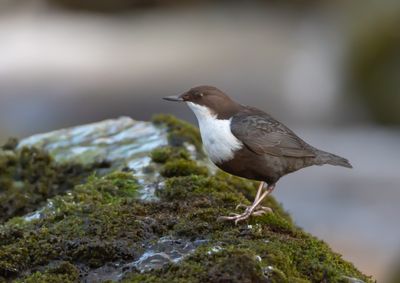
(218, 140)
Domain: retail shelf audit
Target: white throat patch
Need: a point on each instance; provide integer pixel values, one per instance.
(218, 140)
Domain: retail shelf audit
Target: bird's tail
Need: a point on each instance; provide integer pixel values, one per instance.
(324, 157)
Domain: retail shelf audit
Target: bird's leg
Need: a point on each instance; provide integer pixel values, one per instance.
(253, 209)
(260, 188)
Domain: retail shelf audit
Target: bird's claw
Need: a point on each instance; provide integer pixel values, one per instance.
(258, 211)
(241, 205)
(262, 210)
(248, 208)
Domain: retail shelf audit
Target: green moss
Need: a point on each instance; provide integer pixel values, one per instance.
(165, 153)
(102, 222)
(233, 265)
(182, 167)
(179, 131)
(64, 272)
(95, 223)
(276, 222)
(176, 162)
(256, 260)
(30, 176)
(200, 186)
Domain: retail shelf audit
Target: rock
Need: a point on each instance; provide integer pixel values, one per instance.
(122, 143)
(147, 214)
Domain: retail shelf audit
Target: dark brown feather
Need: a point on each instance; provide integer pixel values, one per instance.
(262, 134)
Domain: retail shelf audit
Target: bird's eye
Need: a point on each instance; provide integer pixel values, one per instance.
(201, 94)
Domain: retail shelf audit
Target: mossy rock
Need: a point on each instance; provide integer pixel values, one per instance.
(102, 231)
(60, 272)
(28, 177)
(165, 153)
(179, 132)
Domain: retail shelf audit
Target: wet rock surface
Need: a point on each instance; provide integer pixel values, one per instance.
(147, 213)
(120, 144)
(166, 251)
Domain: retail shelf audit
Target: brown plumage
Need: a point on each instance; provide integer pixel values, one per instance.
(247, 142)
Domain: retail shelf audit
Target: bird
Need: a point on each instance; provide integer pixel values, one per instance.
(247, 142)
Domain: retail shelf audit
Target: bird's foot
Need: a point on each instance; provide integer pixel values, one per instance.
(249, 211)
(248, 207)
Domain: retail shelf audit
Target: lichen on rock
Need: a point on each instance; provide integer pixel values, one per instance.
(104, 229)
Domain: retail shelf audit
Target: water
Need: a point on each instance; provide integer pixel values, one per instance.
(166, 250)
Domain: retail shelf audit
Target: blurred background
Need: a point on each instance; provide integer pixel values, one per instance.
(330, 70)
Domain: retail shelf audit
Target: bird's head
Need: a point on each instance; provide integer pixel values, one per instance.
(202, 99)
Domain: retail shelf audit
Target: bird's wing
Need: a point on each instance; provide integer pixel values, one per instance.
(262, 134)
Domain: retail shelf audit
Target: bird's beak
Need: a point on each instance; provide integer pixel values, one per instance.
(176, 98)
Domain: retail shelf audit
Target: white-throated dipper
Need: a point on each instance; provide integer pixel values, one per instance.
(247, 142)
